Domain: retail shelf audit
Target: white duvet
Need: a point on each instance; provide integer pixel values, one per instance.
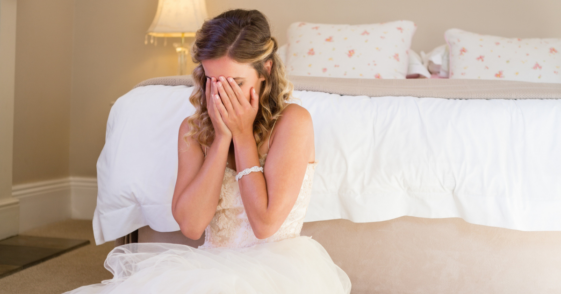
(491, 162)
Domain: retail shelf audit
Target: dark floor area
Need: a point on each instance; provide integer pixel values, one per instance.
(19, 252)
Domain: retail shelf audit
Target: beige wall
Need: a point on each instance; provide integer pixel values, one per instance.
(43, 84)
(509, 18)
(7, 77)
(108, 57)
(9, 206)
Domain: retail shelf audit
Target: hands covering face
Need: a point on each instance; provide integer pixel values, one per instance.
(231, 108)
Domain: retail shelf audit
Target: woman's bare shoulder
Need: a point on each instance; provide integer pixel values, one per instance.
(296, 114)
(296, 121)
(185, 128)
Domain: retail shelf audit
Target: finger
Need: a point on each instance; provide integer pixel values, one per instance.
(212, 92)
(226, 100)
(220, 107)
(212, 87)
(207, 90)
(231, 94)
(209, 104)
(215, 113)
(254, 98)
(239, 92)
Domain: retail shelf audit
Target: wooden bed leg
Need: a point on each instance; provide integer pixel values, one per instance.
(127, 239)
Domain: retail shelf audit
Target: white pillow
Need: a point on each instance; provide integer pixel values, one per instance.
(350, 51)
(476, 56)
(137, 167)
(415, 67)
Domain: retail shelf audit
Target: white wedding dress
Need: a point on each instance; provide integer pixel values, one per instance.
(232, 259)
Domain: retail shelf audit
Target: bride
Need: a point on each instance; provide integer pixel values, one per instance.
(246, 187)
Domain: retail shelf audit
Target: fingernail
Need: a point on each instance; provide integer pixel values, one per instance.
(253, 91)
(230, 79)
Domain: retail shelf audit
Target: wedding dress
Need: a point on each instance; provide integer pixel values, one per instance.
(232, 259)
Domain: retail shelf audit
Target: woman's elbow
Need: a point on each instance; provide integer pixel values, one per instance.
(190, 232)
(265, 231)
(187, 229)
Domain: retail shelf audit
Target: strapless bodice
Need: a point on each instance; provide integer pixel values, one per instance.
(230, 226)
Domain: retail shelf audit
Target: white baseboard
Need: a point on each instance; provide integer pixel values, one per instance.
(50, 201)
(9, 217)
(84, 197)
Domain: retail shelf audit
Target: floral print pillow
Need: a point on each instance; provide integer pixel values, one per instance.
(369, 51)
(475, 56)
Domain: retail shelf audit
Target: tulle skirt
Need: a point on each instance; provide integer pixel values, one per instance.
(295, 265)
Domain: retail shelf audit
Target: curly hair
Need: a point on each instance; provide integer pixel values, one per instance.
(243, 35)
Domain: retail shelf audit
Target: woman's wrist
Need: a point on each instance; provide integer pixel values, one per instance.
(223, 139)
(243, 137)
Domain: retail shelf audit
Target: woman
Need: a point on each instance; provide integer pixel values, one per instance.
(251, 215)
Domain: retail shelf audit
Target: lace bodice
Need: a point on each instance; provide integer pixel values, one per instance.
(230, 226)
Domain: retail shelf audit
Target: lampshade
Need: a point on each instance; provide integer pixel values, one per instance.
(176, 17)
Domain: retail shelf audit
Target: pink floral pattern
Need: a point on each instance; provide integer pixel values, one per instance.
(476, 56)
(372, 51)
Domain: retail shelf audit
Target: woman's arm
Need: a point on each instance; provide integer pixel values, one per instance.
(199, 181)
(268, 198)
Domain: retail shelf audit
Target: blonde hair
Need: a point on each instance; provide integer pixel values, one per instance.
(243, 35)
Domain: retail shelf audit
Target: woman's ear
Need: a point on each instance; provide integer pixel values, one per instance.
(268, 65)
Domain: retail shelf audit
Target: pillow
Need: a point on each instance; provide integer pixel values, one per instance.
(476, 56)
(349, 51)
(416, 67)
(436, 61)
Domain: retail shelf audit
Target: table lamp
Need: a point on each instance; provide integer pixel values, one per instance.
(174, 19)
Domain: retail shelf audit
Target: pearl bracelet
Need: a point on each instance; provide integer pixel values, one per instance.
(248, 170)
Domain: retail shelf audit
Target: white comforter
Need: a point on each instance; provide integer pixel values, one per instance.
(491, 162)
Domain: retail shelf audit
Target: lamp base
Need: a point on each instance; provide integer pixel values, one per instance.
(182, 52)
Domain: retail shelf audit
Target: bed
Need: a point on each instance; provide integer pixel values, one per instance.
(442, 186)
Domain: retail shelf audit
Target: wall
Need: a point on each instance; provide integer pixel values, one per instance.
(509, 18)
(9, 206)
(43, 84)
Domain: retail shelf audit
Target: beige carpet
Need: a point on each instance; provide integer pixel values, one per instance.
(82, 266)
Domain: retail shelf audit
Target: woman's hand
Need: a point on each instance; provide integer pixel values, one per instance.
(212, 102)
(236, 111)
